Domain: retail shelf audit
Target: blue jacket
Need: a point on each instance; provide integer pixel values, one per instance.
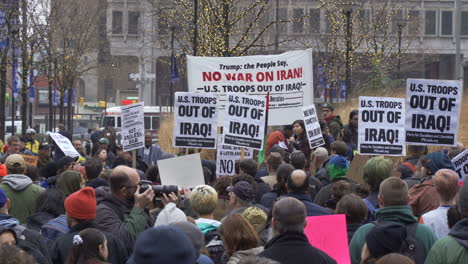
(312, 209)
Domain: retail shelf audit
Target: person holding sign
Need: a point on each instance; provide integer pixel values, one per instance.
(300, 141)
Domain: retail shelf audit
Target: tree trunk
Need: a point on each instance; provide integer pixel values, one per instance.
(70, 107)
(2, 97)
(61, 106)
(51, 105)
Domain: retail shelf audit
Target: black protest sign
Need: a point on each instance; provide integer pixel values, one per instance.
(381, 126)
(432, 111)
(195, 120)
(244, 121)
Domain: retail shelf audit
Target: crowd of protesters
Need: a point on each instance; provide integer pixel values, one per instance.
(92, 209)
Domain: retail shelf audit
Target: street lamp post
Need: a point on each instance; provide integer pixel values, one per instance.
(347, 9)
(172, 64)
(400, 24)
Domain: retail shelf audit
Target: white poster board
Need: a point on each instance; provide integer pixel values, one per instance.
(288, 77)
(133, 126)
(460, 162)
(64, 144)
(381, 126)
(226, 157)
(184, 171)
(312, 125)
(195, 124)
(244, 123)
(433, 111)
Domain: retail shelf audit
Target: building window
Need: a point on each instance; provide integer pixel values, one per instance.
(133, 22)
(314, 20)
(282, 16)
(430, 22)
(446, 24)
(464, 23)
(117, 22)
(43, 97)
(413, 23)
(298, 26)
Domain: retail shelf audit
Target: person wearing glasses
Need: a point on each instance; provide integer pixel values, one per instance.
(13, 148)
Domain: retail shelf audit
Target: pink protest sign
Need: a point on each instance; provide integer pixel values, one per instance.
(328, 233)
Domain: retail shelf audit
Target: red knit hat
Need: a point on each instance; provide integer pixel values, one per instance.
(81, 204)
(3, 170)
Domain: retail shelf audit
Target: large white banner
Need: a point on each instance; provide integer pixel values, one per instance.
(195, 124)
(312, 125)
(381, 126)
(133, 126)
(226, 157)
(244, 123)
(433, 111)
(288, 77)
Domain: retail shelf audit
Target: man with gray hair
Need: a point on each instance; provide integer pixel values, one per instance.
(290, 245)
(454, 247)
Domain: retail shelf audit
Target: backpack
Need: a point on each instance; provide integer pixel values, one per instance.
(411, 247)
(214, 246)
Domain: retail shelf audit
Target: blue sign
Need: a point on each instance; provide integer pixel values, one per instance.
(31, 87)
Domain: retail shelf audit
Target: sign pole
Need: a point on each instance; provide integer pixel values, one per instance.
(134, 158)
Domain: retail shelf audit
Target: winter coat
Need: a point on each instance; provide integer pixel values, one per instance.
(238, 256)
(55, 228)
(294, 248)
(269, 198)
(60, 249)
(152, 155)
(399, 214)
(311, 208)
(350, 134)
(28, 240)
(423, 197)
(22, 194)
(322, 173)
(452, 249)
(122, 219)
(37, 220)
(303, 145)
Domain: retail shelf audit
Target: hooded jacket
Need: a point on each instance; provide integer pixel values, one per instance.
(335, 125)
(238, 256)
(22, 194)
(399, 214)
(452, 248)
(122, 219)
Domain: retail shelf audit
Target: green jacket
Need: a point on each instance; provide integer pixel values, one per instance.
(400, 214)
(22, 193)
(452, 249)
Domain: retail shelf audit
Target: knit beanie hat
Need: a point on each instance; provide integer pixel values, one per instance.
(3, 170)
(437, 161)
(337, 167)
(193, 232)
(163, 245)
(376, 170)
(463, 200)
(170, 214)
(385, 238)
(81, 205)
(256, 217)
